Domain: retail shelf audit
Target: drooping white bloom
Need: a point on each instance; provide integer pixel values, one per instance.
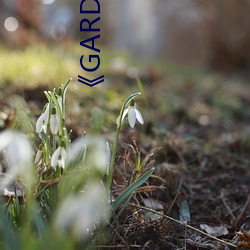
(133, 114)
(54, 124)
(39, 154)
(42, 122)
(59, 157)
(98, 155)
(54, 121)
(79, 214)
(17, 152)
(59, 99)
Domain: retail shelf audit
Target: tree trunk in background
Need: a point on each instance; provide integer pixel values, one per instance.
(229, 35)
(139, 28)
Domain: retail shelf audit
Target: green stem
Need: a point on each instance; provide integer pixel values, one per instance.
(65, 87)
(47, 140)
(112, 164)
(52, 95)
(54, 142)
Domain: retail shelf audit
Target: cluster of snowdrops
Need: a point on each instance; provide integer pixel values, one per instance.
(66, 186)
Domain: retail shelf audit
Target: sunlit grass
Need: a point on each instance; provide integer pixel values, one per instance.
(35, 65)
(43, 64)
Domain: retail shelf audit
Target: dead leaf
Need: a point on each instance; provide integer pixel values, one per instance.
(155, 205)
(245, 236)
(215, 231)
(152, 204)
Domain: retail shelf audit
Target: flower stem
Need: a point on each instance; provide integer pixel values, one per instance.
(112, 163)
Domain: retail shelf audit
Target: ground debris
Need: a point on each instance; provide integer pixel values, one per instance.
(245, 237)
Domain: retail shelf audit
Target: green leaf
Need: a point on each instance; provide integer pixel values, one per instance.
(138, 163)
(129, 190)
(185, 212)
(10, 236)
(122, 209)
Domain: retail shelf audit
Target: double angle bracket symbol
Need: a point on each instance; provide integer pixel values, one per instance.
(91, 83)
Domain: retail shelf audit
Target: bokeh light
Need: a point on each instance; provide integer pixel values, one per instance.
(47, 2)
(58, 31)
(11, 24)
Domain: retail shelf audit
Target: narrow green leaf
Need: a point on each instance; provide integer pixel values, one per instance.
(129, 190)
(10, 236)
(138, 163)
(39, 222)
(65, 87)
(122, 209)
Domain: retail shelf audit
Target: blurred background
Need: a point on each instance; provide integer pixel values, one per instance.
(212, 34)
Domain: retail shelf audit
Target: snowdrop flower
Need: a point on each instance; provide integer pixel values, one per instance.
(59, 97)
(59, 157)
(54, 121)
(79, 214)
(133, 114)
(17, 152)
(39, 154)
(42, 122)
(98, 152)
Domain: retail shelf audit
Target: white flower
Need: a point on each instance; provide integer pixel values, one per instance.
(17, 152)
(133, 114)
(54, 121)
(42, 122)
(59, 99)
(98, 152)
(59, 158)
(79, 214)
(39, 155)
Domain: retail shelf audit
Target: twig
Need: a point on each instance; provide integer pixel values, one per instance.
(175, 198)
(239, 217)
(185, 242)
(227, 207)
(184, 224)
